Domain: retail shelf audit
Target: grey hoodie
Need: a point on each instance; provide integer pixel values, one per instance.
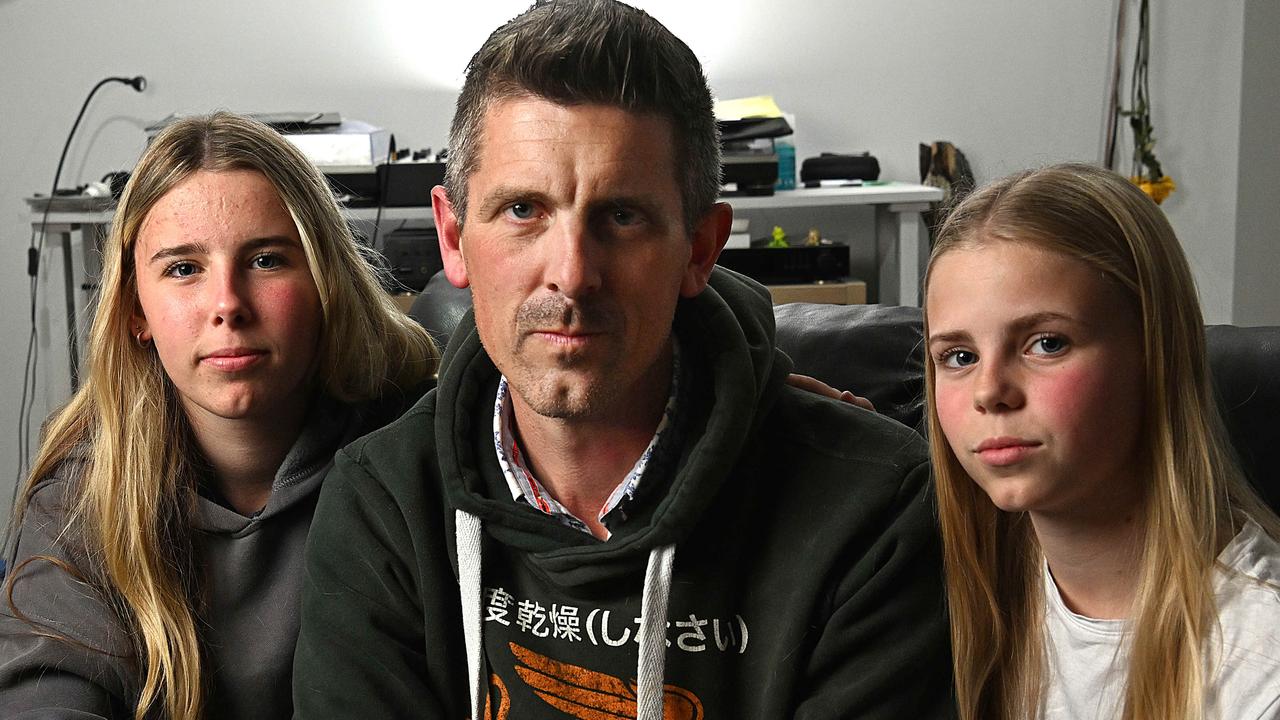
(251, 574)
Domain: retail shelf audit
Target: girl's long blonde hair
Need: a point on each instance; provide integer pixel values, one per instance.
(1196, 497)
(131, 509)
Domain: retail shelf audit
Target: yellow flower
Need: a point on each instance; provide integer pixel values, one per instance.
(1158, 190)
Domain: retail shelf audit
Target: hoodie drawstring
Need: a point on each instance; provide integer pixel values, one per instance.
(468, 543)
(652, 632)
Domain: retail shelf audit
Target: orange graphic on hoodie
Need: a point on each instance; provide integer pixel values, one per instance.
(591, 695)
(504, 701)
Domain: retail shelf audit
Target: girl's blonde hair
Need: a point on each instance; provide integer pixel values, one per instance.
(1195, 495)
(133, 505)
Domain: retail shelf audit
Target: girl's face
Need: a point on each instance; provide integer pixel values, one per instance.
(225, 292)
(1038, 377)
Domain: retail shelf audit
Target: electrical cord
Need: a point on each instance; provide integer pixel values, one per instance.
(34, 252)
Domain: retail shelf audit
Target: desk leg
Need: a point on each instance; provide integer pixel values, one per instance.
(68, 279)
(908, 242)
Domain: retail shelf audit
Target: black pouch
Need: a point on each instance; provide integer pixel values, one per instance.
(834, 166)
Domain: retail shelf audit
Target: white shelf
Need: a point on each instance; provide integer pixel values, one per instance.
(893, 193)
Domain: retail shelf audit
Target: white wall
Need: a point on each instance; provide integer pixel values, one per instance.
(1195, 83)
(1257, 294)
(1011, 83)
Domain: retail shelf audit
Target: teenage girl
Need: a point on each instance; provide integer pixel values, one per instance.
(240, 338)
(1105, 557)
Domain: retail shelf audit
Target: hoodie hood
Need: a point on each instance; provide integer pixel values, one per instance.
(728, 331)
(330, 425)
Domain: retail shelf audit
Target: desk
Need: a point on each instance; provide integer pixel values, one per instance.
(897, 206)
(853, 292)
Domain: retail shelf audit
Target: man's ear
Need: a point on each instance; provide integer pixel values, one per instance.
(709, 237)
(449, 229)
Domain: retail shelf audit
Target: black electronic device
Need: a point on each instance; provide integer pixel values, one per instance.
(753, 128)
(749, 159)
(355, 188)
(789, 265)
(749, 174)
(408, 184)
(412, 256)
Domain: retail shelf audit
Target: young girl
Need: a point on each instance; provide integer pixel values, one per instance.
(1105, 558)
(240, 339)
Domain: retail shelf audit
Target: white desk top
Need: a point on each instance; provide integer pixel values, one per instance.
(62, 220)
(892, 193)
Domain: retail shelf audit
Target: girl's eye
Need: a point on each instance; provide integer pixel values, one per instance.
(957, 359)
(521, 210)
(181, 270)
(1048, 345)
(267, 262)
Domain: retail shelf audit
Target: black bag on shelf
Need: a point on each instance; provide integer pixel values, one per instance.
(835, 166)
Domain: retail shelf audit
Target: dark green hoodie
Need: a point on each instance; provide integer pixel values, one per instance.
(782, 562)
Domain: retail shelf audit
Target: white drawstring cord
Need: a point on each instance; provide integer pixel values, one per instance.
(653, 633)
(651, 659)
(467, 538)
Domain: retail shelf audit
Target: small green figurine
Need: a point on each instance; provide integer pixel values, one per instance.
(779, 238)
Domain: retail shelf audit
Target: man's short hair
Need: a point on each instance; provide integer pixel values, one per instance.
(602, 52)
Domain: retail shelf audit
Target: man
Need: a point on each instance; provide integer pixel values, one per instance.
(612, 505)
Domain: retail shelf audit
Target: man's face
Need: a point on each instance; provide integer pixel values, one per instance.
(576, 252)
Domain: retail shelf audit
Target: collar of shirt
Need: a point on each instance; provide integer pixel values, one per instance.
(526, 488)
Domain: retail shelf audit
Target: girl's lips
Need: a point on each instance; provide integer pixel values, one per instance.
(234, 361)
(999, 452)
(1008, 455)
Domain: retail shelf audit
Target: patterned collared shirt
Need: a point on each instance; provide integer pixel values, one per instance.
(525, 487)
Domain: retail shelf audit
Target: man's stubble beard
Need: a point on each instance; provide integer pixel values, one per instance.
(545, 392)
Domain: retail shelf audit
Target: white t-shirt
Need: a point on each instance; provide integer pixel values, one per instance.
(1087, 657)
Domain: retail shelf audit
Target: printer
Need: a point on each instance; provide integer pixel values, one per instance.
(749, 158)
(348, 152)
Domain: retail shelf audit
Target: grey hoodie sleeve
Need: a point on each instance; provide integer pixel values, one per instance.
(64, 651)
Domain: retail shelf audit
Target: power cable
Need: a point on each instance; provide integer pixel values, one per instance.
(34, 251)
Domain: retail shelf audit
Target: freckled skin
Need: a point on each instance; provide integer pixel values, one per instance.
(1068, 384)
(226, 295)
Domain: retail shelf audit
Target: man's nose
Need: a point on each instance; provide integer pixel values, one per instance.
(575, 257)
(997, 387)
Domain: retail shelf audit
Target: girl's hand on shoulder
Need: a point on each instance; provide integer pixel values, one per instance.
(817, 387)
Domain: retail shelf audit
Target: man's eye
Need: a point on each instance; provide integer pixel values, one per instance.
(181, 269)
(1048, 345)
(622, 216)
(521, 210)
(959, 358)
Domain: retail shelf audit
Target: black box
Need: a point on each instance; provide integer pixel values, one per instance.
(408, 184)
(355, 189)
(782, 266)
(412, 256)
(754, 174)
